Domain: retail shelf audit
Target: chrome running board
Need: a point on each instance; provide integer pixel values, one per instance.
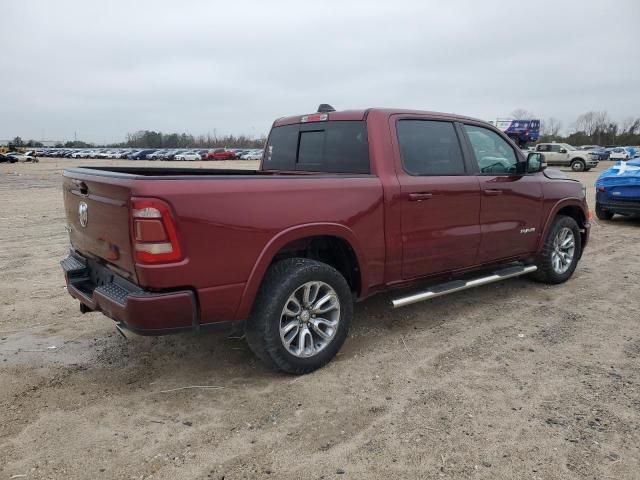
(458, 285)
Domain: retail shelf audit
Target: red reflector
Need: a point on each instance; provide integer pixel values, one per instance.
(149, 230)
(601, 189)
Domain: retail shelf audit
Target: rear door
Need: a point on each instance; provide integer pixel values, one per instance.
(440, 211)
(97, 211)
(511, 209)
(556, 157)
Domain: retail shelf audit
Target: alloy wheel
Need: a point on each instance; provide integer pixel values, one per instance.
(564, 248)
(309, 319)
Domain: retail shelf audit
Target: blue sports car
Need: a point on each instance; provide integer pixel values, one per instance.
(618, 190)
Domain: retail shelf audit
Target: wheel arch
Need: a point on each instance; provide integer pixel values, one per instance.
(302, 238)
(572, 207)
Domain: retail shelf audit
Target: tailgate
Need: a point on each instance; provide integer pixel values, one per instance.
(625, 192)
(97, 211)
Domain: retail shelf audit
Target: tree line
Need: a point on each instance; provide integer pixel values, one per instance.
(153, 139)
(590, 128)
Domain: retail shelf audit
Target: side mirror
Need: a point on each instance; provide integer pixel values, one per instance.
(535, 162)
(563, 150)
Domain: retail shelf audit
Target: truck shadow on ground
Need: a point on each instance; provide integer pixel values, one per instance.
(162, 363)
(209, 357)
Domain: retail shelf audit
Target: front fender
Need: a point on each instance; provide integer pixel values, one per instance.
(565, 202)
(287, 236)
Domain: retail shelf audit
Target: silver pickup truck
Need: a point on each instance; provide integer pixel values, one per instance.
(565, 155)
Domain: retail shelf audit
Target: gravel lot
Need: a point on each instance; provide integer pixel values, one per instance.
(514, 380)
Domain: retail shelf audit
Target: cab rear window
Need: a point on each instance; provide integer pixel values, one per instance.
(334, 147)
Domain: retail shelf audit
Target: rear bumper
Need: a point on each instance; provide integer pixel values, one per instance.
(624, 207)
(143, 312)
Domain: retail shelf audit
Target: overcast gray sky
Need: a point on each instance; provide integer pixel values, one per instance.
(105, 68)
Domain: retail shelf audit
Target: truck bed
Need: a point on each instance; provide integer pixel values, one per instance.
(226, 222)
(186, 172)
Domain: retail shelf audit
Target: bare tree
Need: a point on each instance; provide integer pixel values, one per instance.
(585, 123)
(522, 114)
(591, 123)
(601, 120)
(551, 127)
(630, 125)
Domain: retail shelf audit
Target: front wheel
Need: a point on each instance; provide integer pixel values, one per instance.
(603, 214)
(578, 166)
(301, 316)
(560, 253)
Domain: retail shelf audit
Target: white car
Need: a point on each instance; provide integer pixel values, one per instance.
(22, 157)
(82, 154)
(618, 154)
(157, 155)
(188, 156)
(255, 155)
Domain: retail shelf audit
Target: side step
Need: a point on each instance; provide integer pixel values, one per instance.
(458, 285)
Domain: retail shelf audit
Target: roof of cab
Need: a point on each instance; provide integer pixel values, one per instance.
(362, 114)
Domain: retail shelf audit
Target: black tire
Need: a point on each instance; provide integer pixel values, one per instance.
(603, 214)
(546, 272)
(263, 325)
(578, 165)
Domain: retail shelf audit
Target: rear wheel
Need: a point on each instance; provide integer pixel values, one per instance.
(560, 253)
(301, 316)
(603, 214)
(578, 165)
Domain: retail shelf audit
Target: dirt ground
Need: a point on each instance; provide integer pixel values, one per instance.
(515, 380)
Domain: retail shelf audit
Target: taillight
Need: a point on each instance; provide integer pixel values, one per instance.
(602, 189)
(153, 232)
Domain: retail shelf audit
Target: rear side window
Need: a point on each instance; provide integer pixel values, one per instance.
(429, 148)
(334, 147)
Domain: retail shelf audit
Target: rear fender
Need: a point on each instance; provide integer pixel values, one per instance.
(287, 236)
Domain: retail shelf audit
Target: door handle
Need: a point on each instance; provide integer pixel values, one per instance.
(418, 197)
(492, 192)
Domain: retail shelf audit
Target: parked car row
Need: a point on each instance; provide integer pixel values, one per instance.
(155, 153)
(13, 157)
(613, 152)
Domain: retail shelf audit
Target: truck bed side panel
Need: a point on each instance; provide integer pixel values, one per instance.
(225, 224)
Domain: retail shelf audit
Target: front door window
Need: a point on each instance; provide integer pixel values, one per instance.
(493, 154)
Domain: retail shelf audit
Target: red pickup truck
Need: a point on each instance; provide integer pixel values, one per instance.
(345, 204)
